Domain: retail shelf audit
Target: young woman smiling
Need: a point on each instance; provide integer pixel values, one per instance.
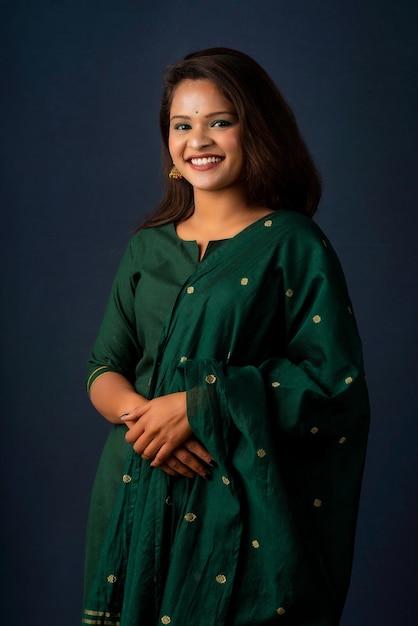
(230, 366)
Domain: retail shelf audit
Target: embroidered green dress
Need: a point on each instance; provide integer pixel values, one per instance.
(261, 336)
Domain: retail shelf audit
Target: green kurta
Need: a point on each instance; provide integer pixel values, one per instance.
(261, 336)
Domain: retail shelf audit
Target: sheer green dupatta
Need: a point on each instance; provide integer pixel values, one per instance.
(263, 339)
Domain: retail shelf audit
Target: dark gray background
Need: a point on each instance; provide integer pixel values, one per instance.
(80, 90)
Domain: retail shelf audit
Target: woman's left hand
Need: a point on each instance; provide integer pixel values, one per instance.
(158, 427)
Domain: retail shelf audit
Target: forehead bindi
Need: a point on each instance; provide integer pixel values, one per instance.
(197, 98)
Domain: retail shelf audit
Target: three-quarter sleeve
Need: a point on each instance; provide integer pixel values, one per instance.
(117, 348)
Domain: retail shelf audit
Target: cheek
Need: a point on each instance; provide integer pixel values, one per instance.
(174, 143)
(235, 144)
(170, 144)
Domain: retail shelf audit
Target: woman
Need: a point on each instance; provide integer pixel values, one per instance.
(230, 364)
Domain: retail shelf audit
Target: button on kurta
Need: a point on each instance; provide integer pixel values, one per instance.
(268, 223)
(111, 578)
(280, 611)
(190, 517)
(210, 379)
(166, 619)
(190, 289)
(316, 319)
(289, 293)
(244, 281)
(126, 479)
(221, 579)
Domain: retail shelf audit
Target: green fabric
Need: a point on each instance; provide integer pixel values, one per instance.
(263, 339)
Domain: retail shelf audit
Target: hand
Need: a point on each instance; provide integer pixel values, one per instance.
(158, 427)
(189, 459)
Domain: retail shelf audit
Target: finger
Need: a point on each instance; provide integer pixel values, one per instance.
(136, 413)
(145, 446)
(135, 432)
(198, 449)
(176, 466)
(189, 460)
(169, 470)
(163, 453)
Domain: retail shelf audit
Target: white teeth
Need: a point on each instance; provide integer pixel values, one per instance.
(206, 160)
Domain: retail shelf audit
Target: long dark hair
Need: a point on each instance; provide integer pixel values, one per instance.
(278, 171)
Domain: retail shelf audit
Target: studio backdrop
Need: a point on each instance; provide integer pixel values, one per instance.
(80, 165)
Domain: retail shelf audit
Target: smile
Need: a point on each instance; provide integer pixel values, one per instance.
(205, 160)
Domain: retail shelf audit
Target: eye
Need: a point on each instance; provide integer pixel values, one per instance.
(182, 126)
(220, 124)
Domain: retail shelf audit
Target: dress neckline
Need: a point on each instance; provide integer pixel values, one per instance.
(243, 230)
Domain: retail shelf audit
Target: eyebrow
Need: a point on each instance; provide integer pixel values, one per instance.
(187, 117)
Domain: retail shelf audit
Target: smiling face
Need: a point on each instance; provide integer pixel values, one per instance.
(204, 138)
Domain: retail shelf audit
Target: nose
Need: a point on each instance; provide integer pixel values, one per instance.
(198, 138)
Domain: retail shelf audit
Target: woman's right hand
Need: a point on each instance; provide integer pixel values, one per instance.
(190, 459)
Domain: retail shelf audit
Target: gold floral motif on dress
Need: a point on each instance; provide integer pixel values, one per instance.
(190, 517)
(166, 619)
(261, 453)
(126, 479)
(316, 319)
(111, 578)
(255, 544)
(190, 289)
(289, 293)
(221, 579)
(317, 503)
(244, 281)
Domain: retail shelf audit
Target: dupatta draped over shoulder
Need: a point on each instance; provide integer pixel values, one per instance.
(263, 339)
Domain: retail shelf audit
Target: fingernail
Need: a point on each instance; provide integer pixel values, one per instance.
(207, 476)
(121, 417)
(212, 463)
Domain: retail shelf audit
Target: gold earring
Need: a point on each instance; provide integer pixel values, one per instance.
(174, 173)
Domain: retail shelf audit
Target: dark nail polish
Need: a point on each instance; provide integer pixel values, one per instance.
(212, 463)
(208, 476)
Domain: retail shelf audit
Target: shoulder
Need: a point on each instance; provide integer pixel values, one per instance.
(302, 246)
(146, 239)
(297, 231)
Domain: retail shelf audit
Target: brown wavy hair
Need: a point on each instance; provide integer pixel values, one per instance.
(278, 171)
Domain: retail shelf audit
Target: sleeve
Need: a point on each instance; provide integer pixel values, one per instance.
(116, 348)
(316, 390)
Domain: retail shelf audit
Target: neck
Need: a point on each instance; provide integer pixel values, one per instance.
(218, 215)
(218, 207)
